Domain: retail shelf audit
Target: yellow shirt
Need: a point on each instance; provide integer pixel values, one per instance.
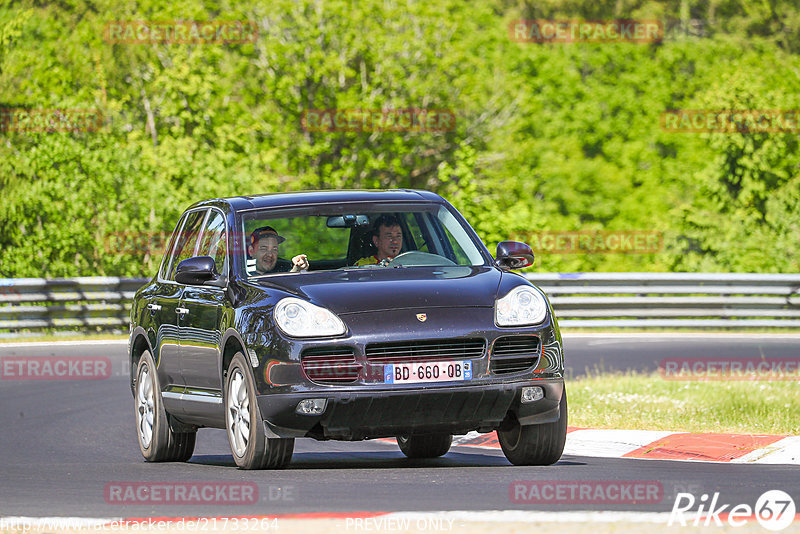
(369, 260)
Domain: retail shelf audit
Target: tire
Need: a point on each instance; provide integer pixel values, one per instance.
(425, 446)
(250, 446)
(536, 444)
(157, 441)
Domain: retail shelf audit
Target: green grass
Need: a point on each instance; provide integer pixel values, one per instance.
(648, 402)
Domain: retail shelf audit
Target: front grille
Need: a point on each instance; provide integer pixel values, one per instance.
(330, 365)
(512, 354)
(426, 351)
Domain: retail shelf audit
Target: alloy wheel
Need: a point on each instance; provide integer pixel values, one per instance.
(145, 407)
(238, 413)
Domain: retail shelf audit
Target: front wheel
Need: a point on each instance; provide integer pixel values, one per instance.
(536, 444)
(251, 447)
(157, 441)
(425, 446)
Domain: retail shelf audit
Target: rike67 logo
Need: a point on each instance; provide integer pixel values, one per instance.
(774, 510)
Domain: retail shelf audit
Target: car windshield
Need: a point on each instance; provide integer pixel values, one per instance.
(324, 238)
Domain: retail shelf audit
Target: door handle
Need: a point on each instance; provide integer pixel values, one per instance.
(181, 311)
(153, 307)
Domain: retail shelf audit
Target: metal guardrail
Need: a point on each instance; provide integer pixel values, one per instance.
(88, 303)
(673, 300)
(584, 300)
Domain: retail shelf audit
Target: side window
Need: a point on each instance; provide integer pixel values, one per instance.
(169, 253)
(213, 241)
(187, 240)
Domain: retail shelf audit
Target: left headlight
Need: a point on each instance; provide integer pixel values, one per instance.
(523, 305)
(299, 318)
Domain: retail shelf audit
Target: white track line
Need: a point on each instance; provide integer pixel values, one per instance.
(488, 516)
(608, 443)
(379, 521)
(785, 451)
(525, 516)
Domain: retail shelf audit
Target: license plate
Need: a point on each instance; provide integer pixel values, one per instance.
(409, 373)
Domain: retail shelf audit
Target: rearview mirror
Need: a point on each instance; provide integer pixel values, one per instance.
(347, 221)
(196, 271)
(514, 255)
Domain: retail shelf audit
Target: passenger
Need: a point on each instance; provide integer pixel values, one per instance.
(263, 247)
(387, 237)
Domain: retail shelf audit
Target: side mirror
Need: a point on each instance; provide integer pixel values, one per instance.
(196, 271)
(514, 255)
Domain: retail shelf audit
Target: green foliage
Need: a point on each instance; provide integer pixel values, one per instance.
(553, 137)
(752, 181)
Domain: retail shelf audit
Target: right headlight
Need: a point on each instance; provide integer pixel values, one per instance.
(522, 306)
(299, 318)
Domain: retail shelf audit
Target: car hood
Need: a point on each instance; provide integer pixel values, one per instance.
(367, 290)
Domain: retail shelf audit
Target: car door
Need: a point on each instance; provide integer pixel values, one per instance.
(166, 308)
(201, 334)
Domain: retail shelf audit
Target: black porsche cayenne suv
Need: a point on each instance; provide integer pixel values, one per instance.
(344, 315)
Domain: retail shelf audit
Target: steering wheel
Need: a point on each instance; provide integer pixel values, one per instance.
(418, 259)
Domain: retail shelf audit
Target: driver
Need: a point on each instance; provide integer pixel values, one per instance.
(387, 237)
(263, 247)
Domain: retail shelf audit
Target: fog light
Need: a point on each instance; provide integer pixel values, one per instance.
(532, 394)
(310, 406)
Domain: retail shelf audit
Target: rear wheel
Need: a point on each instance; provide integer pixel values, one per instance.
(251, 447)
(157, 441)
(425, 446)
(536, 444)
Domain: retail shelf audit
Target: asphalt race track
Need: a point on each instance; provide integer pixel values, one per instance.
(62, 442)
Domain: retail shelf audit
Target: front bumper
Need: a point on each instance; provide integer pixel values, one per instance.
(357, 415)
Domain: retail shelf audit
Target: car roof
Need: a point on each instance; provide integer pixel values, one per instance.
(300, 198)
